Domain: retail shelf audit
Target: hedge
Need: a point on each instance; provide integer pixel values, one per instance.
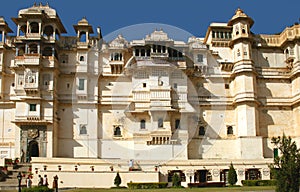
(132, 185)
(271, 182)
(38, 189)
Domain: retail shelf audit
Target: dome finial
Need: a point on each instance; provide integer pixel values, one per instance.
(239, 11)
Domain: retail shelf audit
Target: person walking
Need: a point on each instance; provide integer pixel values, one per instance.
(28, 181)
(45, 181)
(55, 183)
(40, 181)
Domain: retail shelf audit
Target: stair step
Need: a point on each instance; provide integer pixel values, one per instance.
(11, 181)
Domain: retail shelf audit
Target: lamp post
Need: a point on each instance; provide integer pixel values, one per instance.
(19, 176)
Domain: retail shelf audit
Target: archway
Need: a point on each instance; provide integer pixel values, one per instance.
(33, 149)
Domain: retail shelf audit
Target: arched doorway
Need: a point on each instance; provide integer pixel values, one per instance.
(33, 149)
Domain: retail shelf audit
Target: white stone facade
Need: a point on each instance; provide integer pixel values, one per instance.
(166, 105)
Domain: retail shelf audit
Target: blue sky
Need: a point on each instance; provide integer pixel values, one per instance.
(193, 16)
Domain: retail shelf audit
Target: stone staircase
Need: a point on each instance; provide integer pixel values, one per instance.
(10, 181)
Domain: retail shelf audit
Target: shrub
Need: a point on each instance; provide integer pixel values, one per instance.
(118, 180)
(38, 189)
(176, 180)
(159, 185)
(271, 182)
(249, 182)
(232, 176)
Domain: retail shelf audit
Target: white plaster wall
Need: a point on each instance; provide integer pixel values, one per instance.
(246, 120)
(274, 122)
(123, 149)
(221, 149)
(97, 179)
(268, 58)
(86, 143)
(251, 148)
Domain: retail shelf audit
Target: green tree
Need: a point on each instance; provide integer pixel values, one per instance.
(118, 180)
(286, 166)
(232, 176)
(176, 180)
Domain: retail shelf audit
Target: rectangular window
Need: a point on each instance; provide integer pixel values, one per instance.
(275, 152)
(177, 123)
(160, 123)
(20, 79)
(175, 85)
(81, 84)
(32, 107)
(200, 58)
(46, 78)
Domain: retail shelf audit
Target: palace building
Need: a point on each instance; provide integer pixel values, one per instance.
(83, 108)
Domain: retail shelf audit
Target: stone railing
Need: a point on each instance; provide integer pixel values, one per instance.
(288, 34)
(162, 140)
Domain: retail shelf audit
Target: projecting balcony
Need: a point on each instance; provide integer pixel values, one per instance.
(163, 140)
(33, 119)
(31, 88)
(82, 45)
(159, 55)
(34, 36)
(28, 59)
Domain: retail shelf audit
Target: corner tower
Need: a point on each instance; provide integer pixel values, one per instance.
(36, 75)
(244, 92)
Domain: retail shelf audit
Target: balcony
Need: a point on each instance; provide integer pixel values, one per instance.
(82, 45)
(165, 140)
(33, 36)
(33, 119)
(28, 59)
(159, 55)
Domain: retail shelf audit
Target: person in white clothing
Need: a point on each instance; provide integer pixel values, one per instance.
(45, 181)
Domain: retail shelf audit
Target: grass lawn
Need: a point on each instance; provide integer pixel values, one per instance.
(210, 189)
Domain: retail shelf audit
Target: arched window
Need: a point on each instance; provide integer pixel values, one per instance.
(1, 36)
(117, 131)
(21, 51)
(57, 35)
(83, 130)
(201, 131)
(243, 31)
(82, 36)
(23, 30)
(137, 52)
(160, 123)
(238, 53)
(117, 57)
(143, 52)
(81, 58)
(34, 27)
(143, 124)
(47, 51)
(287, 52)
(229, 130)
(33, 48)
(159, 48)
(213, 34)
(48, 30)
